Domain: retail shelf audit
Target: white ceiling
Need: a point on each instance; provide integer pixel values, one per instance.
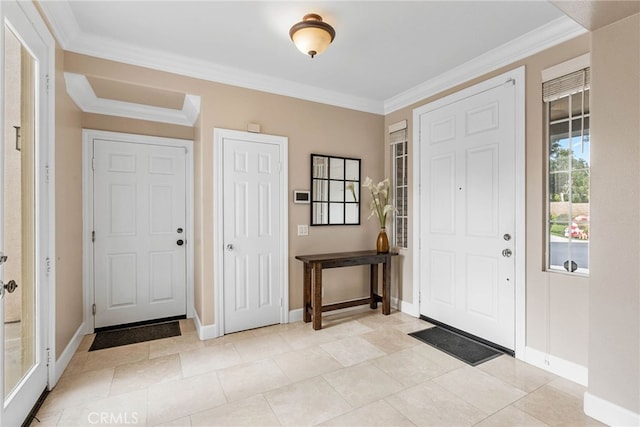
(386, 55)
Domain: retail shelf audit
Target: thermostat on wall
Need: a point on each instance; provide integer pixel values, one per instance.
(301, 196)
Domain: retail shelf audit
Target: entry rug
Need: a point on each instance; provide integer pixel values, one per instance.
(118, 337)
(458, 346)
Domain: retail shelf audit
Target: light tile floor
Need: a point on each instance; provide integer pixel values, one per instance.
(361, 369)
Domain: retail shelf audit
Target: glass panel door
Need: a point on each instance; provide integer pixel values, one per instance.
(19, 212)
(24, 213)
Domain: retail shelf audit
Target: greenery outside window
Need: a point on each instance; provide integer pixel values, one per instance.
(399, 184)
(567, 107)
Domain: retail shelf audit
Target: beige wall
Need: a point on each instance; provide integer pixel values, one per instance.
(68, 182)
(614, 323)
(557, 304)
(310, 127)
(141, 127)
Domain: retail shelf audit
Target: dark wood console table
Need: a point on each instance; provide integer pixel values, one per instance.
(313, 265)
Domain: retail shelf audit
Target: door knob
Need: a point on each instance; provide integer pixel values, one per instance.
(180, 242)
(11, 286)
(3, 258)
(507, 237)
(229, 247)
(507, 253)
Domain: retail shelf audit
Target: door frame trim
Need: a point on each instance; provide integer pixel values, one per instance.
(88, 135)
(219, 135)
(43, 49)
(518, 76)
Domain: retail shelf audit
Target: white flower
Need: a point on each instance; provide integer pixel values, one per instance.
(367, 183)
(380, 205)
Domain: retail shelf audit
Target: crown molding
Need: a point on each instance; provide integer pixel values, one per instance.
(80, 90)
(71, 38)
(551, 34)
(149, 58)
(62, 20)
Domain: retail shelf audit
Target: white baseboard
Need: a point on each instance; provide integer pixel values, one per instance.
(205, 332)
(405, 307)
(63, 361)
(295, 315)
(556, 365)
(609, 413)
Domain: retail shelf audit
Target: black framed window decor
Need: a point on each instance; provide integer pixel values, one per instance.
(335, 190)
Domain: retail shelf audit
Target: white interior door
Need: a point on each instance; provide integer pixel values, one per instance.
(139, 223)
(253, 273)
(467, 182)
(25, 212)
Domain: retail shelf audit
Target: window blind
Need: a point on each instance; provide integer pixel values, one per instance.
(398, 136)
(566, 85)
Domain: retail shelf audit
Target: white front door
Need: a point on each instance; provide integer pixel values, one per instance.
(467, 186)
(139, 222)
(25, 212)
(253, 243)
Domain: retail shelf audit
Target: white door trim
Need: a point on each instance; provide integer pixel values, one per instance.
(219, 136)
(518, 76)
(43, 44)
(88, 135)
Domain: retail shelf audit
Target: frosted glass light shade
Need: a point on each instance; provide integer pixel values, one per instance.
(312, 36)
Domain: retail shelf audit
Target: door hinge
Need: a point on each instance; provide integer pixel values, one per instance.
(93, 309)
(46, 173)
(280, 302)
(48, 356)
(93, 163)
(47, 82)
(93, 236)
(47, 265)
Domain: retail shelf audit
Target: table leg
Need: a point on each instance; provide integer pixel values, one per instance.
(373, 283)
(386, 286)
(306, 316)
(317, 296)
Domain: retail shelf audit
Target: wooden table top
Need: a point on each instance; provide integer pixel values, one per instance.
(373, 255)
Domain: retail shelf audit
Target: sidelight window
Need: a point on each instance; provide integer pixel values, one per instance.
(568, 191)
(399, 184)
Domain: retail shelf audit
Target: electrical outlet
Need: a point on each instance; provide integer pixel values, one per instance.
(303, 230)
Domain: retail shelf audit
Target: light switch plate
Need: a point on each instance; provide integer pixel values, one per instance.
(303, 230)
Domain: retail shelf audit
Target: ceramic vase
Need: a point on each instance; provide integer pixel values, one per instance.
(382, 244)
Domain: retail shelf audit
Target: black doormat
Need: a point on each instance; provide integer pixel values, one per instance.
(458, 346)
(118, 337)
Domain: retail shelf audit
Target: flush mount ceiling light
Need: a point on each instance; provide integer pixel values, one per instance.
(312, 36)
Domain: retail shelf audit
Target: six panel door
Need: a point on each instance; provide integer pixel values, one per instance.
(139, 221)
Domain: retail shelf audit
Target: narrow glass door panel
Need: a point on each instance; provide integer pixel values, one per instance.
(19, 212)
